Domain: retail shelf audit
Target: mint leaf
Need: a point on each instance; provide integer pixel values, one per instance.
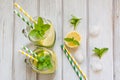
(50, 66)
(103, 50)
(45, 65)
(42, 32)
(41, 59)
(45, 27)
(72, 40)
(35, 34)
(39, 66)
(44, 61)
(40, 21)
(37, 27)
(76, 42)
(100, 52)
(75, 21)
(96, 50)
(69, 39)
(40, 27)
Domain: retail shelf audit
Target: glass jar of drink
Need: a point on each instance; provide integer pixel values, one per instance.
(46, 61)
(41, 37)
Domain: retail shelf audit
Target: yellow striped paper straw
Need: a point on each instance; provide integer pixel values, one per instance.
(31, 57)
(76, 63)
(24, 12)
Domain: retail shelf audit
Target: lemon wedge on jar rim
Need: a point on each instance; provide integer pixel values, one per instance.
(76, 36)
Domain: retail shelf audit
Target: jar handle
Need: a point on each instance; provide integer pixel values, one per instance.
(26, 61)
(24, 33)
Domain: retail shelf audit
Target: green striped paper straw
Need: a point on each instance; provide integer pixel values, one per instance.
(74, 64)
(29, 51)
(23, 18)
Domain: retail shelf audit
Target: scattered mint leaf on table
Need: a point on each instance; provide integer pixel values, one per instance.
(76, 42)
(72, 40)
(100, 52)
(75, 21)
(69, 39)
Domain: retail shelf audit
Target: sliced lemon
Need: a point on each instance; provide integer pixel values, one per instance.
(50, 38)
(76, 37)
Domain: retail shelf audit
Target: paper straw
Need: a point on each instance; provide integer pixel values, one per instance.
(24, 19)
(74, 64)
(24, 12)
(29, 51)
(31, 57)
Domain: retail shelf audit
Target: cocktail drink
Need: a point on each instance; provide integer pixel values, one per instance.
(46, 61)
(43, 33)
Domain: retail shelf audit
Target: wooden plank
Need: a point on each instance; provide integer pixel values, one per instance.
(76, 8)
(21, 71)
(116, 39)
(101, 35)
(51, 9)
(6, 39)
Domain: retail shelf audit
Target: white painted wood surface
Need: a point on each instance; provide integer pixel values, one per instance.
(117, 39)
(98, 16)
(6, 40)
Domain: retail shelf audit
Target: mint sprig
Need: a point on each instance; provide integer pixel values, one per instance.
(100, 52)
(44, 61)
(75, 21)
(39, 29)
(72, 40)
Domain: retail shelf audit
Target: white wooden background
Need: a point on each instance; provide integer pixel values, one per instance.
(99, 16)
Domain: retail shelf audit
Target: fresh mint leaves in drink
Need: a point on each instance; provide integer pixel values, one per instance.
(100, 52)
(44, 61)
(72, 40)
(75, 21)
(39, 29)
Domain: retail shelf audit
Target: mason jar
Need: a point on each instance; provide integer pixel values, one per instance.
(48, 39)
(46, 61)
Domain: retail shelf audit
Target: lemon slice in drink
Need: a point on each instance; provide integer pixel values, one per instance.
(50, 38)
(76, 36)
